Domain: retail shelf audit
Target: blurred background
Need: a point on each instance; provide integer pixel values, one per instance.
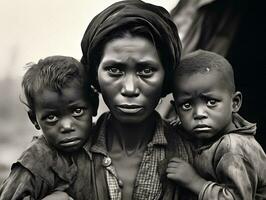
(34, 29)
(31, 30)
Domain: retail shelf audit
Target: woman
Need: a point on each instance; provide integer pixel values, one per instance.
(130, 51)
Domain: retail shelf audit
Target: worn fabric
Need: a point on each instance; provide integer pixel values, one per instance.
(205, 23)
(147, 182)
(130, 14)
(150, 182)
(234, 165)
(41, 170)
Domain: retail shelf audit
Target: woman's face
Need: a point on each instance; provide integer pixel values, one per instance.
(130, 76)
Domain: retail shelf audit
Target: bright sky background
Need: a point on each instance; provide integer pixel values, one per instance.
(34, 29)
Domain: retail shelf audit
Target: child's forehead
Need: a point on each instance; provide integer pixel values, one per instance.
(58, 87)
(202, 82)
(59, 98)
(202, 74)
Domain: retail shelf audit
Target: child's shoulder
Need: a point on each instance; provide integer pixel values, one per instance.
(38, 151)
(45, 162)
(238, 144)
(241, 140)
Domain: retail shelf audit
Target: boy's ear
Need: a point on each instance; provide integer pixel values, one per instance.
(33, 119)
(237, 101)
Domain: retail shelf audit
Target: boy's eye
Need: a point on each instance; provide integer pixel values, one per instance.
(78, 112)
(114, 71)
(186, 106)
(51, 118)
(211, 102)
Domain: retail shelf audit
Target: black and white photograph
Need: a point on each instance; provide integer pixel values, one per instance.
(132, 100)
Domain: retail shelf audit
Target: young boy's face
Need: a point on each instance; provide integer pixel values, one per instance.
(204, 104)
(65, 118)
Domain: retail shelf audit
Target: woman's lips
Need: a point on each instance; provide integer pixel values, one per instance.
(126, 108)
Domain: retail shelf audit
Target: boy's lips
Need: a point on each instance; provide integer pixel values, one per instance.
(201, 128)
(70, 142)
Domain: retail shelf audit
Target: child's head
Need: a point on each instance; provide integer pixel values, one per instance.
(205, 96)
(60, 100)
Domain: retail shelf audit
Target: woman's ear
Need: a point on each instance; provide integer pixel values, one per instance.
(33, 119)
(236, 101)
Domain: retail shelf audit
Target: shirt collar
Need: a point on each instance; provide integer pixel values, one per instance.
(100, 145)
(158, 137)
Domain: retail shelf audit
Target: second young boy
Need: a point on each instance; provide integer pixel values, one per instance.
(228, 162)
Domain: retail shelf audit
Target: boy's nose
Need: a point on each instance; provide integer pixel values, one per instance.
(66, 125)
(199, 112)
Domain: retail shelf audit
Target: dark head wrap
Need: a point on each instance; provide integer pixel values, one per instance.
(137, 18)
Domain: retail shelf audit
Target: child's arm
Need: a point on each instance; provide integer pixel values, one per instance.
(236, 179)
(184, 174)
(58, 195)
(22, 183)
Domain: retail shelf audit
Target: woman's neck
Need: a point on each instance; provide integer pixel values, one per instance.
(129, 137)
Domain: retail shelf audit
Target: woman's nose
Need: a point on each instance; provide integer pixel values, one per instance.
(199, 112)
(66, 125)
(130, 86)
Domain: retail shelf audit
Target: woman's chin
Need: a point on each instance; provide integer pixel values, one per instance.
(130, 118)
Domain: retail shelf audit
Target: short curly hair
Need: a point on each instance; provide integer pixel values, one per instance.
(202, 61)
(56, 73)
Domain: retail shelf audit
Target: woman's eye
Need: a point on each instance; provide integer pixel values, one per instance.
(51, 118)
(114, 71)
(78, 112)
(186, 106)
(211, 102)
(146, 72)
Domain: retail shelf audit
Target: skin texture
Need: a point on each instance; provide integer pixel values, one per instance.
(65, 117)
(130, 76)
(205, 104)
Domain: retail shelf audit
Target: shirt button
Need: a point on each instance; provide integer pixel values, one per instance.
(106, 161)
(120, 183)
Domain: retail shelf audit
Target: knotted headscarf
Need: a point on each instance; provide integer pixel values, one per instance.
(131, 15)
